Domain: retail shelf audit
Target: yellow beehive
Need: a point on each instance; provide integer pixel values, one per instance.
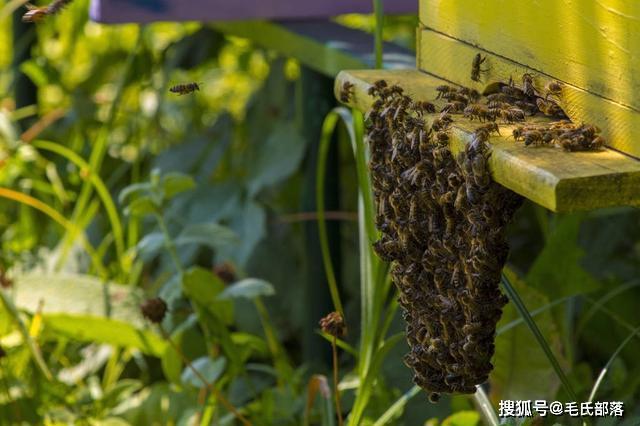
(587, 46)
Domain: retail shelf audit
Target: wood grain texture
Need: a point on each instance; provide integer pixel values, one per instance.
(592, 44)
(446, 57)
(557, 180)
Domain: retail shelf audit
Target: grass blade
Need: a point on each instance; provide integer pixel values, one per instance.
(526, 316)
(397, 406)
(606, 367)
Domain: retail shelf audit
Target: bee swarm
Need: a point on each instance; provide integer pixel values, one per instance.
(443, 226)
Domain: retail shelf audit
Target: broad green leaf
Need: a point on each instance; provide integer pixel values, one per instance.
(84, 308)
(207, 234)
(522, 371)
(248, 288)
(277, 157)
(203, 288)
(209, 369)
(94, 329)
(175, 183)
(556, 271)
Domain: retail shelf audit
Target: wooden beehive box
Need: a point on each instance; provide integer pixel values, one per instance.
(120, 11)
(590, 47)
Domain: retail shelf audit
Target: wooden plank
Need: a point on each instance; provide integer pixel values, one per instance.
(141, 11)
(558, 180)
(449, 58)
(590, 44)
(323, 46)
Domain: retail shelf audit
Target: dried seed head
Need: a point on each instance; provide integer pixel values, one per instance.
(226, 272)
(333, 324)
(154, 309)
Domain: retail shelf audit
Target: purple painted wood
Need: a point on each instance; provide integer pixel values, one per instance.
(120, 11)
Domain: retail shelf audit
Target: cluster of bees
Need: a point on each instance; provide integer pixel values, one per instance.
(570, 136)
(442, 223)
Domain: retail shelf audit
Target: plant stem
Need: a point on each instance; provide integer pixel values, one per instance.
(168, 241)
(335, 380)
(522, 309)
(214, 391)
(378, 13)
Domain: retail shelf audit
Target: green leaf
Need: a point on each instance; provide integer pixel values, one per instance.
(249, 288)
(134, 188)
(174, 183)
(277, 157)
(84, 308)
(209, 369)
(203, 288)
(87, 328)
(462, 418)
(522, 371)
(207, 234)
(141, 206)
(556, 271)
(150, 245)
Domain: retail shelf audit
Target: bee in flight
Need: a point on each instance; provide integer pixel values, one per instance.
(38, 13)
(184, 89)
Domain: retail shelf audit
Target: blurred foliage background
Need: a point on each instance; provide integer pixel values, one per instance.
(113, 190)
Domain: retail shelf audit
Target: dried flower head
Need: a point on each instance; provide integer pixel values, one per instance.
(154, 309)
(333, 324)
(226, 272)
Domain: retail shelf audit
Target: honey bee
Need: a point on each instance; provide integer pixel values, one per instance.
(512, 115)
(457, 97)
(478, 60)
(512, 91)
(479, 111)
(549, 108)
(441, 122)
(346, 92)
(488, 128)
(454, 106)
(527, 85)
(472, 94)
(37, 14)
(185, 88)
(444, 89)
(424, 107)
(553, 88)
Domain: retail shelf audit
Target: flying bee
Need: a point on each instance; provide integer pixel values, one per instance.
(37, 14)
(553, 88)
(185, 88)
(478, 60)
(549, 108)
(527, 85)
(346, 92)
(34, 13)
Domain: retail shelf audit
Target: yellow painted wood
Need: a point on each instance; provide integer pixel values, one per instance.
(592, 44)
(557, 180)
(446, 57)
